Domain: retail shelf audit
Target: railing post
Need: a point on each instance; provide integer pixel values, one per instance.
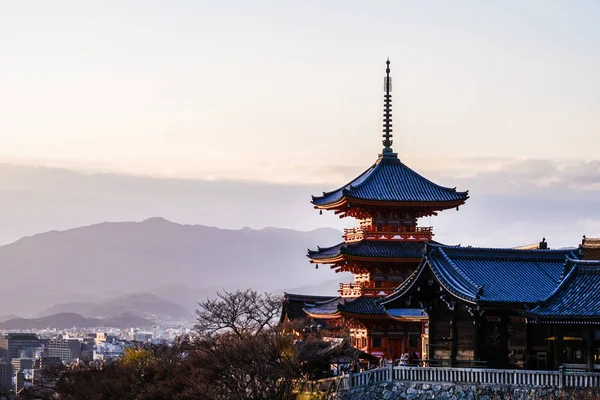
(391, 372)
(561, 377)
(349, 380)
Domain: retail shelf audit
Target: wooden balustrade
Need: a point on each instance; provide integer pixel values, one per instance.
(385, 231)
(474, 376)
(366, 288)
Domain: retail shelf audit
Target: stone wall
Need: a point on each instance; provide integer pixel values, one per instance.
(413, 391)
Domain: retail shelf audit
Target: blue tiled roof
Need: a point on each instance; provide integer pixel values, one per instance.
(362, 305)
(483, 275)
(577, 297)
(390, 180)
(294, 304)
(370, 248)
(329, 307)
(358, 305)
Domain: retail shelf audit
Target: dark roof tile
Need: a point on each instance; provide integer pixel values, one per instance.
(390, 180)
(362, 305)
(484, 275)
(370, 248)
(577, 297)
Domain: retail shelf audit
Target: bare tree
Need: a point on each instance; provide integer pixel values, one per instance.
(240, 312)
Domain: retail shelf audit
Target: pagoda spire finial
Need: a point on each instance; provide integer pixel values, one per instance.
(387, 112)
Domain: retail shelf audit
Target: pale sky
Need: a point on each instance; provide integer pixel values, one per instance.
(264, 89)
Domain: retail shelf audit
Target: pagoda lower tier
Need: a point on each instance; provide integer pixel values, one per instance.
(387, 333)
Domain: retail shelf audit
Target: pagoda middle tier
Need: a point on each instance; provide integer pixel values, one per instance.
(378, 265)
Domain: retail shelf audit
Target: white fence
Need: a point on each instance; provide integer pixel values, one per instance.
(442, 375)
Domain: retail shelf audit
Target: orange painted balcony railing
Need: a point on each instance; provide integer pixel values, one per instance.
(366, 288)
(388, 232)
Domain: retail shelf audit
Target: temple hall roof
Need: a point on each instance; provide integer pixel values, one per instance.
(324, 309)
(369, 248)
(577, 298)
(366, 306)
(484, 275)
(294, 304)
(390, 181)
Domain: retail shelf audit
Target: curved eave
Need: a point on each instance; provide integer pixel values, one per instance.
(456, 293)
(348, 200)
(330, 260)
(408, 318)
(344, 257)
(580, 320)
(323, 316)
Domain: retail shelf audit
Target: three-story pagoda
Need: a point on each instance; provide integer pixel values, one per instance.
(384, 249)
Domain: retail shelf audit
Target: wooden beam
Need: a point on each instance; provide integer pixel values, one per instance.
(590, 347)
(558, 346)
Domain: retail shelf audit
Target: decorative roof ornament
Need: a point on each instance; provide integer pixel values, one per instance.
(387, 113)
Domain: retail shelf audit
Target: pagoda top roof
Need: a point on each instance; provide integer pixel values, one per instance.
(488, 275)
(368, 249)
(577, 298)
(391, 181)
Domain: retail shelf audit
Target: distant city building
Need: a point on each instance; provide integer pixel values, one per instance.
(108, 351)
(12, 345)
(142, 337)
(66, 349)
(100, 338)
(19, 381)
(22, 363)
(5, 376)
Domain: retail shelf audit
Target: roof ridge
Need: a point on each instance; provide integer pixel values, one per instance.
(517, 253)
(377, 164)
(585, 263)
(462, 273)
(563, 283)
(343, 187)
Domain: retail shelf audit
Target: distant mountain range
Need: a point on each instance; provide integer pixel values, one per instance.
(152, 269)
(142, 304)
(73, 320)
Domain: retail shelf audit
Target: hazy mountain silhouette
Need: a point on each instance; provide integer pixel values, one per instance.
(141, 304)
(73, 320)
(153, 255)
(7, 317)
